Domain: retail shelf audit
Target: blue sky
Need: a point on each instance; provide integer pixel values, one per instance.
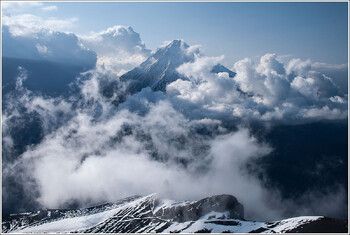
(237, 30)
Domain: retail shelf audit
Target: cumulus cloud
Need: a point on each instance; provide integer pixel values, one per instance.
(338, 73)
(118, 48)
(269, 91)
(204, 88)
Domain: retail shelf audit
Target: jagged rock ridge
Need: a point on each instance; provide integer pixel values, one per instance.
(150, 214)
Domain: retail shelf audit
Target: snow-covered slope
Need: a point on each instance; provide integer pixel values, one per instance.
(219, 68)
(159, 70)
(150, 214)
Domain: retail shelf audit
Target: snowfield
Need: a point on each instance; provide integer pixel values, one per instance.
(149, 215)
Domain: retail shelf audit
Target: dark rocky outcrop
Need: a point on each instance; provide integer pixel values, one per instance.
(194, 211)
(323, 225)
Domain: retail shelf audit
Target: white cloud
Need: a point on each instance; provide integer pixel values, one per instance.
(298, 66)
(268, 91)
(319, 65)
(118, 48)
(48, 109)
(49, 8)
(9, 7)
(15, 7)
(47, 45)
(338, 73)
(28, 25)
(42, 49)
(79, 160)
(22, 76)
(338, 99)
(204, 88)
(324, 113)
(31, 36)
(305, 86)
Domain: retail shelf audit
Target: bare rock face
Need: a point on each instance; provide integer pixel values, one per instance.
(196, 210)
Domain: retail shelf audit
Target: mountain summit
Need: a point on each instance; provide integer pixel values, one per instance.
(159, 70)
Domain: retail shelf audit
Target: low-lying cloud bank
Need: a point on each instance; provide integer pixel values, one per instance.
(103, 153)
(268, 91)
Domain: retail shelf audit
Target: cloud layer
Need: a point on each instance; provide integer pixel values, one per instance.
(27, 25)
(269, 91)
(47, 45)
(102, 152)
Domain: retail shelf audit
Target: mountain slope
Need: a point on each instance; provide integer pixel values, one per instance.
(150, 214)
(159, 70)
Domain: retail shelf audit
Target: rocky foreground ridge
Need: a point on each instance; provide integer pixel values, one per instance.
(216, 214)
